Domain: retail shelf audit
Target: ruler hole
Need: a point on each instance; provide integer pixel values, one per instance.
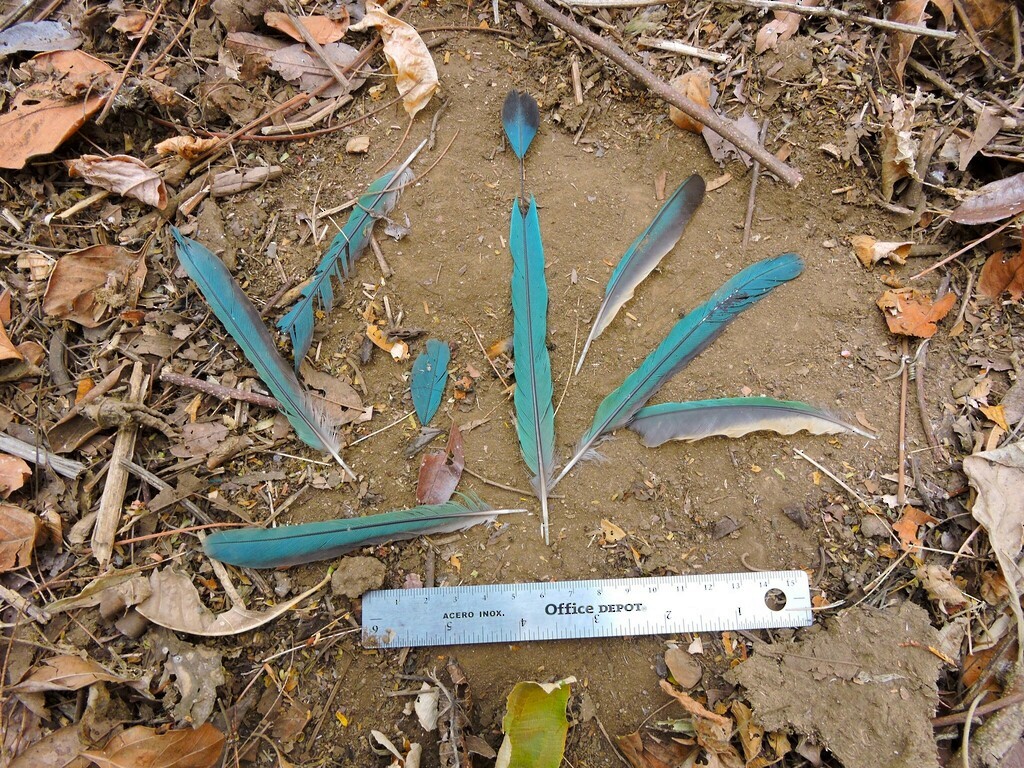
(775, 599)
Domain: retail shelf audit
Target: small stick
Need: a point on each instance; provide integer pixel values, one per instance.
(18, 602)
(752, 197)
(835, 13)
(385, 269)
(723, 127)
(967, 247)
(674, 46)
(488, 359)
(577, 82)
(985, 709)
(174, 41)
(503, 487)
(217, 390)
(64, 467)
(394, 423)
(131, 60)
(901, 471)
(109, 514)
(836, 479)
(922, 405)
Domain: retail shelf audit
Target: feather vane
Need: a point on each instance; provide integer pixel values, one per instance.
(429, 376)
(379, 200)
(295, 544)
(733, 417)
(535, 416)
(687, 339)
(238, 315)
(520, 117)
(645, 253)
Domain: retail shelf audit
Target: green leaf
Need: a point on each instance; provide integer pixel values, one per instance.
(535, 725)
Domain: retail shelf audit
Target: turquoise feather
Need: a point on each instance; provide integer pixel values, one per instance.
(535, 416)
(520, 117)
(733, 417)
(429, 376)
(233, 308)
(378, 201)
(295, 544)
(646, 252)
(687, 339)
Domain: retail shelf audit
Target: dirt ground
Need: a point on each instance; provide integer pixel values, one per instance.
(714, 506)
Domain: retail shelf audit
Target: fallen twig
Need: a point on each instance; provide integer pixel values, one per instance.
(752, 197)
(131, 60)
(64, 467)
(723, 127)
(218, 390)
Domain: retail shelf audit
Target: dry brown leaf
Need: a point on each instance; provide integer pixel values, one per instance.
(65, 673)
(440, 471)
(722, 149)
(19, 531)
(189, 147)
(323, 29)
(907, 527)
(995, 201)
(296, 62)
(911, 12)
(611, 533)
(175, 604)
(131, 23)
(782, 27)
(13, 474)
(7, 349)
(142, 746)
(910, 313)
(63, 90)
(989, 124)
(86, 285)
(899, 147)
(123, 175)
(398, 350)
(991, 18)
(696, 86)
(407, 55)
(714, 731)
(871, 251)
(938, 583)
(648, 749)
(999, 276)
(685, 670)
(996, 414)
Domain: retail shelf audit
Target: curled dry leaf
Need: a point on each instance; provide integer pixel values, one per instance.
(296, 62)
(62, 90)
(143, 746)
(995, 201)
(188, 147)
(13, 474)
(398, 350)
(696, 86)
(871, 251)
(899, 147)
(323, 29)
(175, 604)
(131, 23)
(441, 471)
(782, 27)
(65, 673)
(38, 36)
(649, 749)
(938, 583)
(407, 55)
(1000, 276)
(19, 531)
(911, 12)
(910, 313)
(7, 349)
(123, 175)
(85, 286)
(714, 731)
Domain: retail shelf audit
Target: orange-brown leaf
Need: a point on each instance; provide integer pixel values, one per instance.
(911, 12)
(13, 474)
(907, 527)
(910, 313)
(441, 471)
(143, 746)
(18, 533)
(696, 86)
(323, 29)
(86, 285)
(999, 276)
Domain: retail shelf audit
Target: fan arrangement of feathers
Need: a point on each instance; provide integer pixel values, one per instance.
(625, 406)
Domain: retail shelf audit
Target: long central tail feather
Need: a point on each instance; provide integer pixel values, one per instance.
(733, 417)
(296, 544)
(535, 416)
(233, 308)
(520, 117)
(645, 254)
(687, 339)
(378, 200)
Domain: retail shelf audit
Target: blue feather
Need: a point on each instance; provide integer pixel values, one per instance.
(520, 117)
(429, 376)
(646, 253)
(535, 416)
(378, 200)
(233, 308)
(687, 339)
(294, 544)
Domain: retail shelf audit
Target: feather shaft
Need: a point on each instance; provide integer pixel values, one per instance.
(687, 339)
(238, 315)
(645, 253)
(429, 376)
(520, 117)
(733, 417)
(535, 416)
(295, 544)
(378, 200)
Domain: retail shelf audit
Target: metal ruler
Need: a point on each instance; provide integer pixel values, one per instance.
(513, 613)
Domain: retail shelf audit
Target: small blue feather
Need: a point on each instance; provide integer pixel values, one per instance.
(535, 416)
(687, 339)
(429, 376)
(520, 118)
